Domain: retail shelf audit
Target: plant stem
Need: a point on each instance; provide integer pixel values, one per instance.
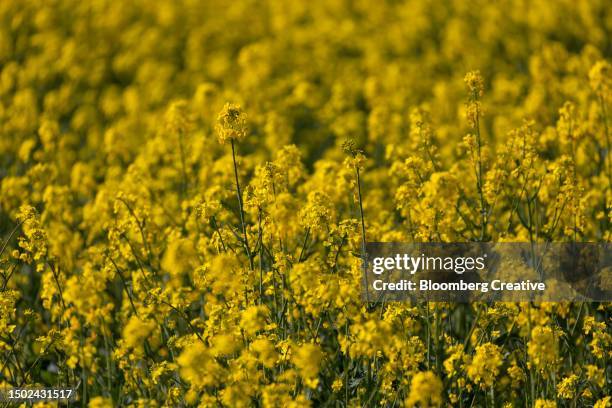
(483, 218)
(363, 236)
(241, 208)
(260, 258)
(183, 164)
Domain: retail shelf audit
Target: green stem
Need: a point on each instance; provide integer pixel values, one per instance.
(363, 235)
(483, 218)
(241, 208)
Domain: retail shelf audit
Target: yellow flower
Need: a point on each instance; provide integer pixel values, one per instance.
(136, 331)
(100, 402)
(517, 375)
(600, 77)
(454, 363)
(425, 390)
(595, 375)
(35, 241)
(542, 348)
(567, 387)
(542, 403)
(231, 124)
(605, 402)
(307, 359)
(254, 319)
(265, 351)
(225, 344)
(177, 118)
(199, 367)
(316, 214)
(161, 369)
(484, 367)
(474, 82)
(337, 385)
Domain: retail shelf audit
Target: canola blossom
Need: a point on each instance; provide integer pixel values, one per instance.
(187, 189)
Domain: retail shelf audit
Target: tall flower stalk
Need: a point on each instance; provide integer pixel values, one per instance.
(357, 160)
(474, 83)
(231, 125)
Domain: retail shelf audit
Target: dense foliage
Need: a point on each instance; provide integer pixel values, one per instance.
(186, 187)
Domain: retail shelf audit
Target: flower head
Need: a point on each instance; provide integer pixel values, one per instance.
(484, 367)
(231, 123)
(307, 359)
(474, 82)
(425, 390)
(600, 77)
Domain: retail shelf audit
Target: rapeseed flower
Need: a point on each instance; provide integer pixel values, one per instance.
(485, 365)
(231, 124)
(425, 390)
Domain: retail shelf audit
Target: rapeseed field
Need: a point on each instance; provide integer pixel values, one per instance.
(187, 187)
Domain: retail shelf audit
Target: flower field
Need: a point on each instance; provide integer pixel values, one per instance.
(187, 188)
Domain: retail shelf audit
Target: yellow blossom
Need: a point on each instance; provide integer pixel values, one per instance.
(425, 390)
